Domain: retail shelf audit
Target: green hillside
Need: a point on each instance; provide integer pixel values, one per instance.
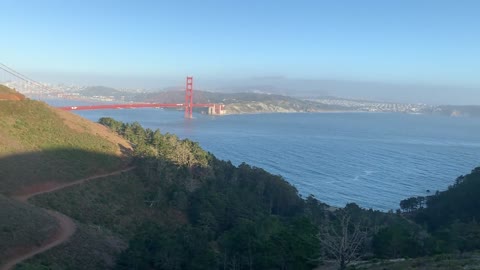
(39, 144)
(197, 210)
(20, 225)
(184, 209)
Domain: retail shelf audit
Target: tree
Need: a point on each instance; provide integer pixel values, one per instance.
(413, 203)
(343, 239)
(398, 240)
(111, 123)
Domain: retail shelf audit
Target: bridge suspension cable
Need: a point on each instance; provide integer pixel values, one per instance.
(24, 78)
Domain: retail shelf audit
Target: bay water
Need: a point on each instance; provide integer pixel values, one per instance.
(372, 159)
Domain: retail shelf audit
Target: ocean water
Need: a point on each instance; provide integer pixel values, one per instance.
(372, 159)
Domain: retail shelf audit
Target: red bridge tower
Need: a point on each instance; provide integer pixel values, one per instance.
(189, 98)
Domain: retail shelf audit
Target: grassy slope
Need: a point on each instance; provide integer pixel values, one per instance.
(114, 204)
(6, 90)
(9, 94)
(40, 144)
(20, 225)
(91, 247)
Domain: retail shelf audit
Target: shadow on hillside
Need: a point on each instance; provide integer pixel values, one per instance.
(22, 170)
(125, 151)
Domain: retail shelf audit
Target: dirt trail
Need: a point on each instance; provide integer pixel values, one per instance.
(66, 225)
(23, 197)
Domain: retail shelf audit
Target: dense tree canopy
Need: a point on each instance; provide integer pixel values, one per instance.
(242, 217)
(237, 217)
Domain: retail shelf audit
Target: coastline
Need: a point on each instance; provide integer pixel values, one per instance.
(315, 112)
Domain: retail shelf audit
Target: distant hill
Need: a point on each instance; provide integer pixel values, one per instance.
(250, 102)
(103, 91)
(246, 102)
(207, 97)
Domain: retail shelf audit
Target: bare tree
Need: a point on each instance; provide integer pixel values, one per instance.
(343, 240)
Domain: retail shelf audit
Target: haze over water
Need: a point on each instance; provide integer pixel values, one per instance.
(372, 159)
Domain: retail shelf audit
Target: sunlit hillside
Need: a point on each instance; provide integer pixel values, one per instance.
(39, 143)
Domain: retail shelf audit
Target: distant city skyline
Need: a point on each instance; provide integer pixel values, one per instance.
(412, 51)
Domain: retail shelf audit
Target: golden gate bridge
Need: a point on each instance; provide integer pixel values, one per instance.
(213, 108)
(187, 105)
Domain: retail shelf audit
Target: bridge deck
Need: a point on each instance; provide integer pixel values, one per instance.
(131, 106)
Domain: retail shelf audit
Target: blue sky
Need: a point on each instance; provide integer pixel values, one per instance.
(413, 42)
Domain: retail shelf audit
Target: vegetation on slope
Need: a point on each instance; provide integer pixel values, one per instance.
(19, 227)
(450, 216)
(458, 203)
(447, 230)
(91, 247)
(38, 147)
(9, 94)
(6, 90)
(183, 208)
(192, 210)
(116, 203)
(40, 144)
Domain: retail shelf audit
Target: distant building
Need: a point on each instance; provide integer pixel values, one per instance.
(216, 109)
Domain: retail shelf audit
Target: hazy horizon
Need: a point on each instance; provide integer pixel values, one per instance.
(366, 90)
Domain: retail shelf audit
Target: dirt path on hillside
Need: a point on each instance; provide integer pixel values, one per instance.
(66, 229)
(23, 196)
(66, 225)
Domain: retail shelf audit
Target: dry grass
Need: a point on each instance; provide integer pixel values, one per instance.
(9, 94)
(83, 125)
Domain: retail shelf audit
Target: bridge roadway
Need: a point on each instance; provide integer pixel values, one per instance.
(132, 106)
